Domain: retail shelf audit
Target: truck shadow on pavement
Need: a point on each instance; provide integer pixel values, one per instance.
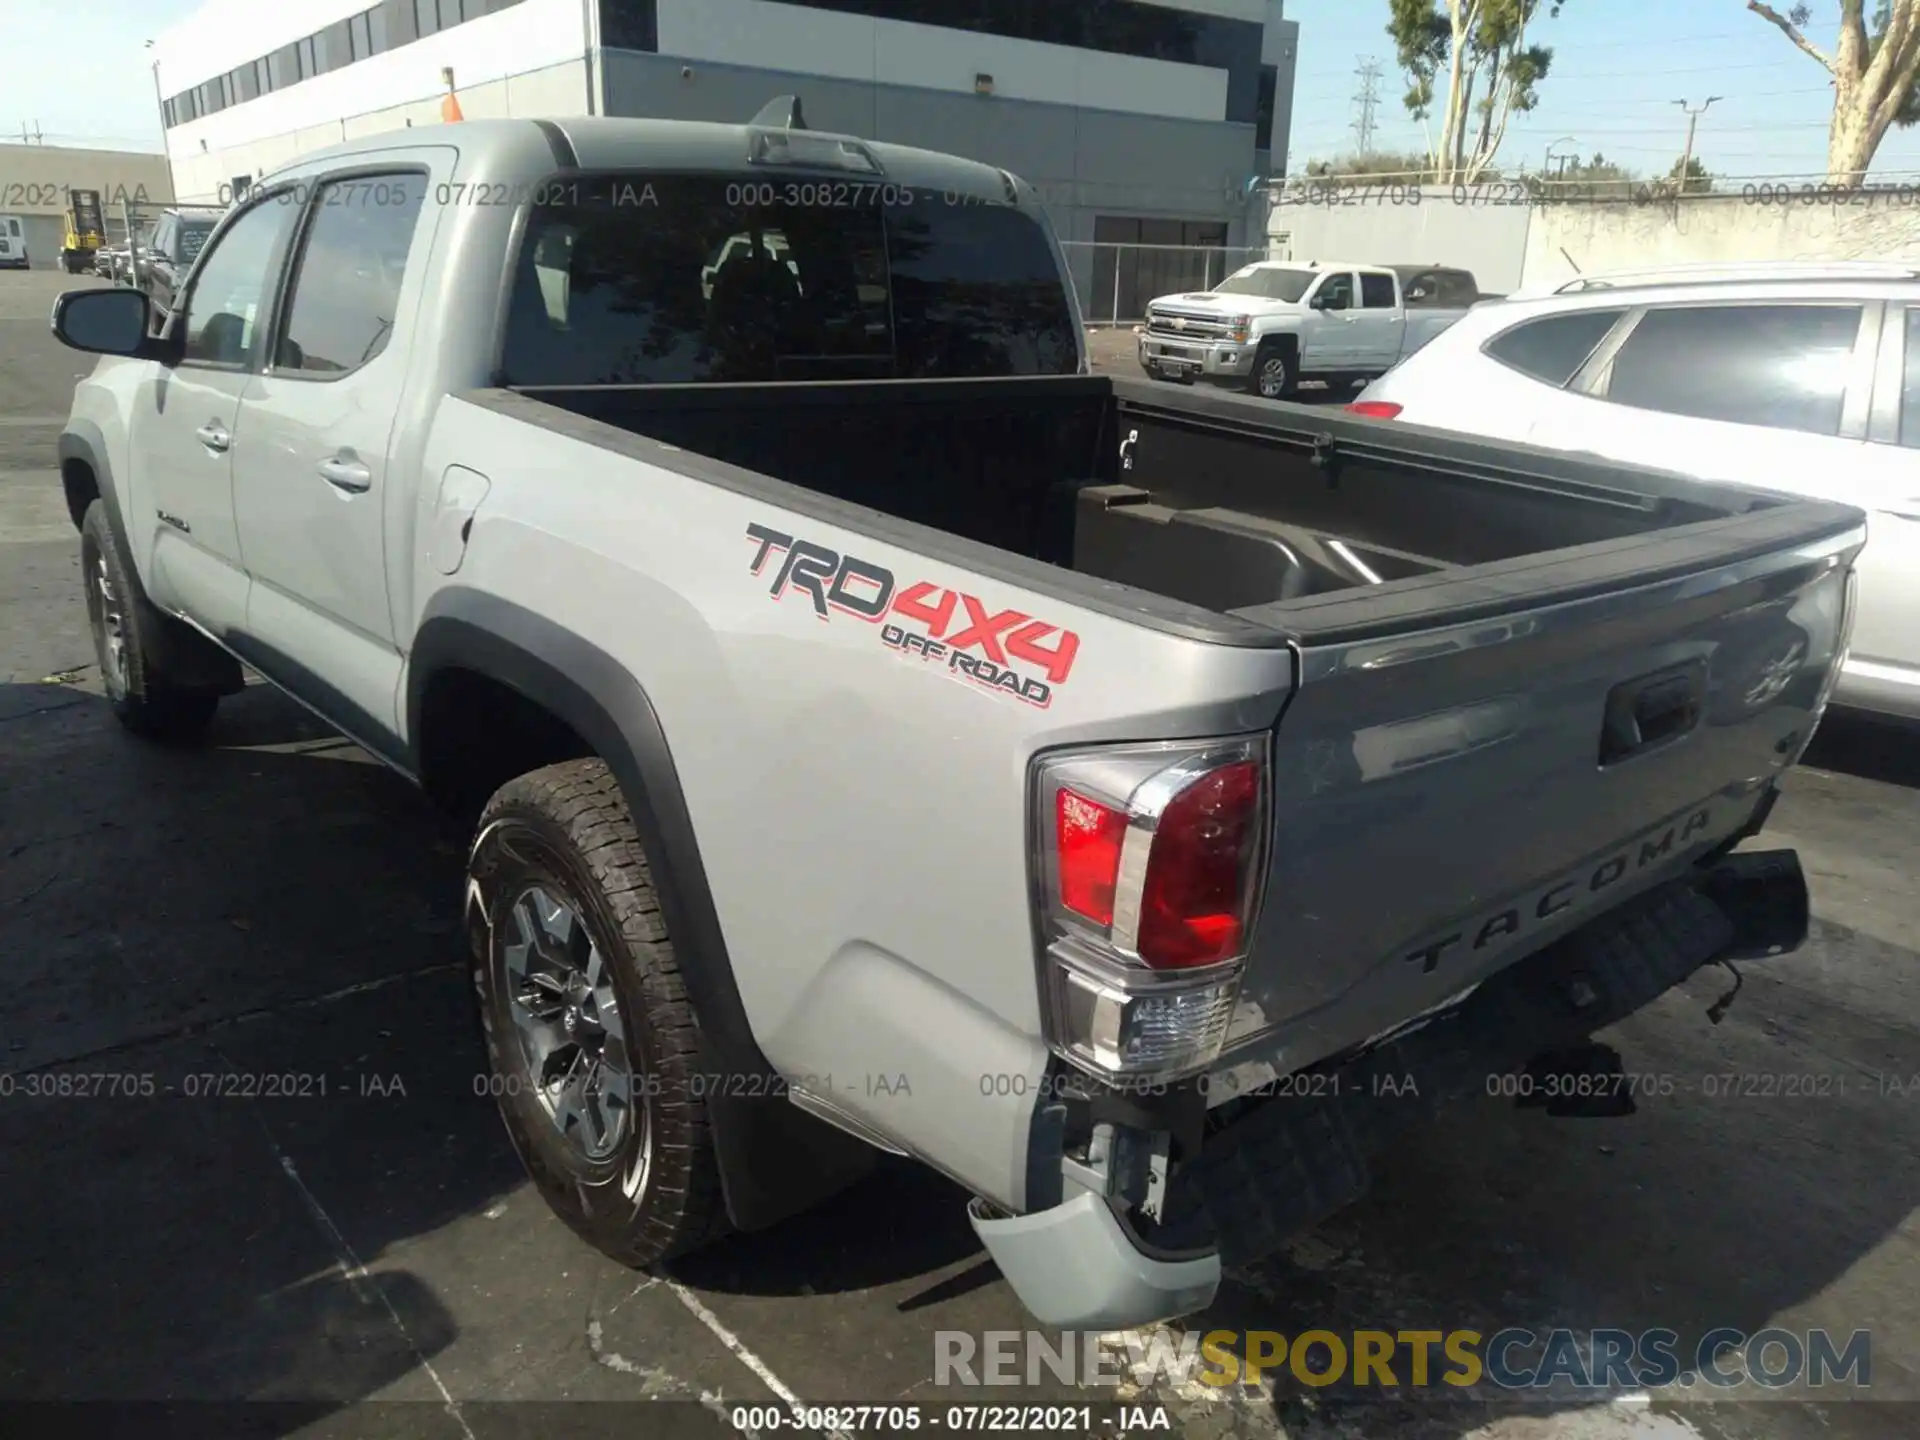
(236, 1066)
(243, 1081)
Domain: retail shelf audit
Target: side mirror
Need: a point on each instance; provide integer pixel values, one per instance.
(1318, 302)
(112, 321)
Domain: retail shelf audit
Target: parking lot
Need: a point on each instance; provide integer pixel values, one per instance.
(357, 1239)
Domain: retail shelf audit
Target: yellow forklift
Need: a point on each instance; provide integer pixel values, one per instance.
(86, 232)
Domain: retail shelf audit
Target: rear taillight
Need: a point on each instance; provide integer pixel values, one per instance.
(1150, 874)
(1192, 904)
(1088, 836)
(1376, 409)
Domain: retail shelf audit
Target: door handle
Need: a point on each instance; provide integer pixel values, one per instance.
(214, 435)
(346, 474)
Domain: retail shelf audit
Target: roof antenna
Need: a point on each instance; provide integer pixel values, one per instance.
(780, 113)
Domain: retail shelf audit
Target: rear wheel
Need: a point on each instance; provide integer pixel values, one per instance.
(142, 697)
(592, 1038)
(1274, 374)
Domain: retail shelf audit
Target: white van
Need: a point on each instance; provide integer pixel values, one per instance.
(13, 243)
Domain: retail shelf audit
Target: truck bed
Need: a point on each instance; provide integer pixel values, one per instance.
(1220, 502)
(1527, 686)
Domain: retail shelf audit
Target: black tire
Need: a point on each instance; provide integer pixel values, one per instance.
(1276, 373)
(566, 831)
(140, 694)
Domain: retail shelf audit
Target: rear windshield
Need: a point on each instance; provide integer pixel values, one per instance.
(193, 235)
(670, 279)
(1271, 284)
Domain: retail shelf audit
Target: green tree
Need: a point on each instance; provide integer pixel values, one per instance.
(1596, 179)
(1876, 76)
(1378, 164)
(1469, 63)
(1699, 180)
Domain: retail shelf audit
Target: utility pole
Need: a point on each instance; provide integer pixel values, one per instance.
(1367, 101)
(1693, 119)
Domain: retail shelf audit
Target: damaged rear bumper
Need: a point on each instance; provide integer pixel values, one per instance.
(1290, 1161)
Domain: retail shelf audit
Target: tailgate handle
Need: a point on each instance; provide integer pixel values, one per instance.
(1652, 710)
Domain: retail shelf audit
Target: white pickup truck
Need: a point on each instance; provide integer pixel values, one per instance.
(1272, 324)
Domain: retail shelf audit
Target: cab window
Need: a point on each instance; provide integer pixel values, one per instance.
(223, 312)
(346, 284)
(1336, 292)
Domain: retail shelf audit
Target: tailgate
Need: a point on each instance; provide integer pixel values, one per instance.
(1475, 763)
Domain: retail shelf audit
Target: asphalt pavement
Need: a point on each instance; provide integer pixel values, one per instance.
(246, 1154)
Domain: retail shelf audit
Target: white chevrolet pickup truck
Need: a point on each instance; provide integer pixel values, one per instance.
(1274, 323)
(878, 734)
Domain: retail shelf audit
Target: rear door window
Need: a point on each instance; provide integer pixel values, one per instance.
(1553, 348)
(1376, 292)
(346, 285)
(692, 278)
(1781, 366)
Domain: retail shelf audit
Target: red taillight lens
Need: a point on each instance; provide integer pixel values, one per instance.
(1194, 902)
(1089, 836)
(1376, 409)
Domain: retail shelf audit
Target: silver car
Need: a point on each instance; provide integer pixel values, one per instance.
(1799, 378)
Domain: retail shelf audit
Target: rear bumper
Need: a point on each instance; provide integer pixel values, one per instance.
(1079, 1267)
(1290, 1161)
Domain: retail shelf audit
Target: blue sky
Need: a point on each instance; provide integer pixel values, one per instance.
(1618, 67)
(78, 68)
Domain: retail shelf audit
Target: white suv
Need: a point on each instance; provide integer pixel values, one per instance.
(1804, 379)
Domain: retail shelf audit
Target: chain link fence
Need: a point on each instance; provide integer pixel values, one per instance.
(1114, 281)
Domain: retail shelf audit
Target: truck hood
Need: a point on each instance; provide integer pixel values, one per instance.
(1209, 302)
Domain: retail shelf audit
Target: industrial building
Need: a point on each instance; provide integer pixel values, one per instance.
(1137, 120)
(40, 178)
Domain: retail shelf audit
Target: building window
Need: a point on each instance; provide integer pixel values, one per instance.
(630, 25)
(426, 17)
(1118, 27)
(1263, 108)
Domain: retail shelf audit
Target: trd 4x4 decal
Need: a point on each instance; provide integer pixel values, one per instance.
(1006, 650)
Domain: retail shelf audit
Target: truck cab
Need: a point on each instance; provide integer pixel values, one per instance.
(1271, 324)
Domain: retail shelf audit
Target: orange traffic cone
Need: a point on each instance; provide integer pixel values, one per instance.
(450, 106)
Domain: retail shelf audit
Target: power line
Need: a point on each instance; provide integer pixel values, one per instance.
(1367, 102)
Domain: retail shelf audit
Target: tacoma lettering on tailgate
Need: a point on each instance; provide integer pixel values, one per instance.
(1005, 650)
(1656, 847)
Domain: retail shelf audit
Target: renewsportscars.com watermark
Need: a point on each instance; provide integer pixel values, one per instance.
(1601, 1360)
